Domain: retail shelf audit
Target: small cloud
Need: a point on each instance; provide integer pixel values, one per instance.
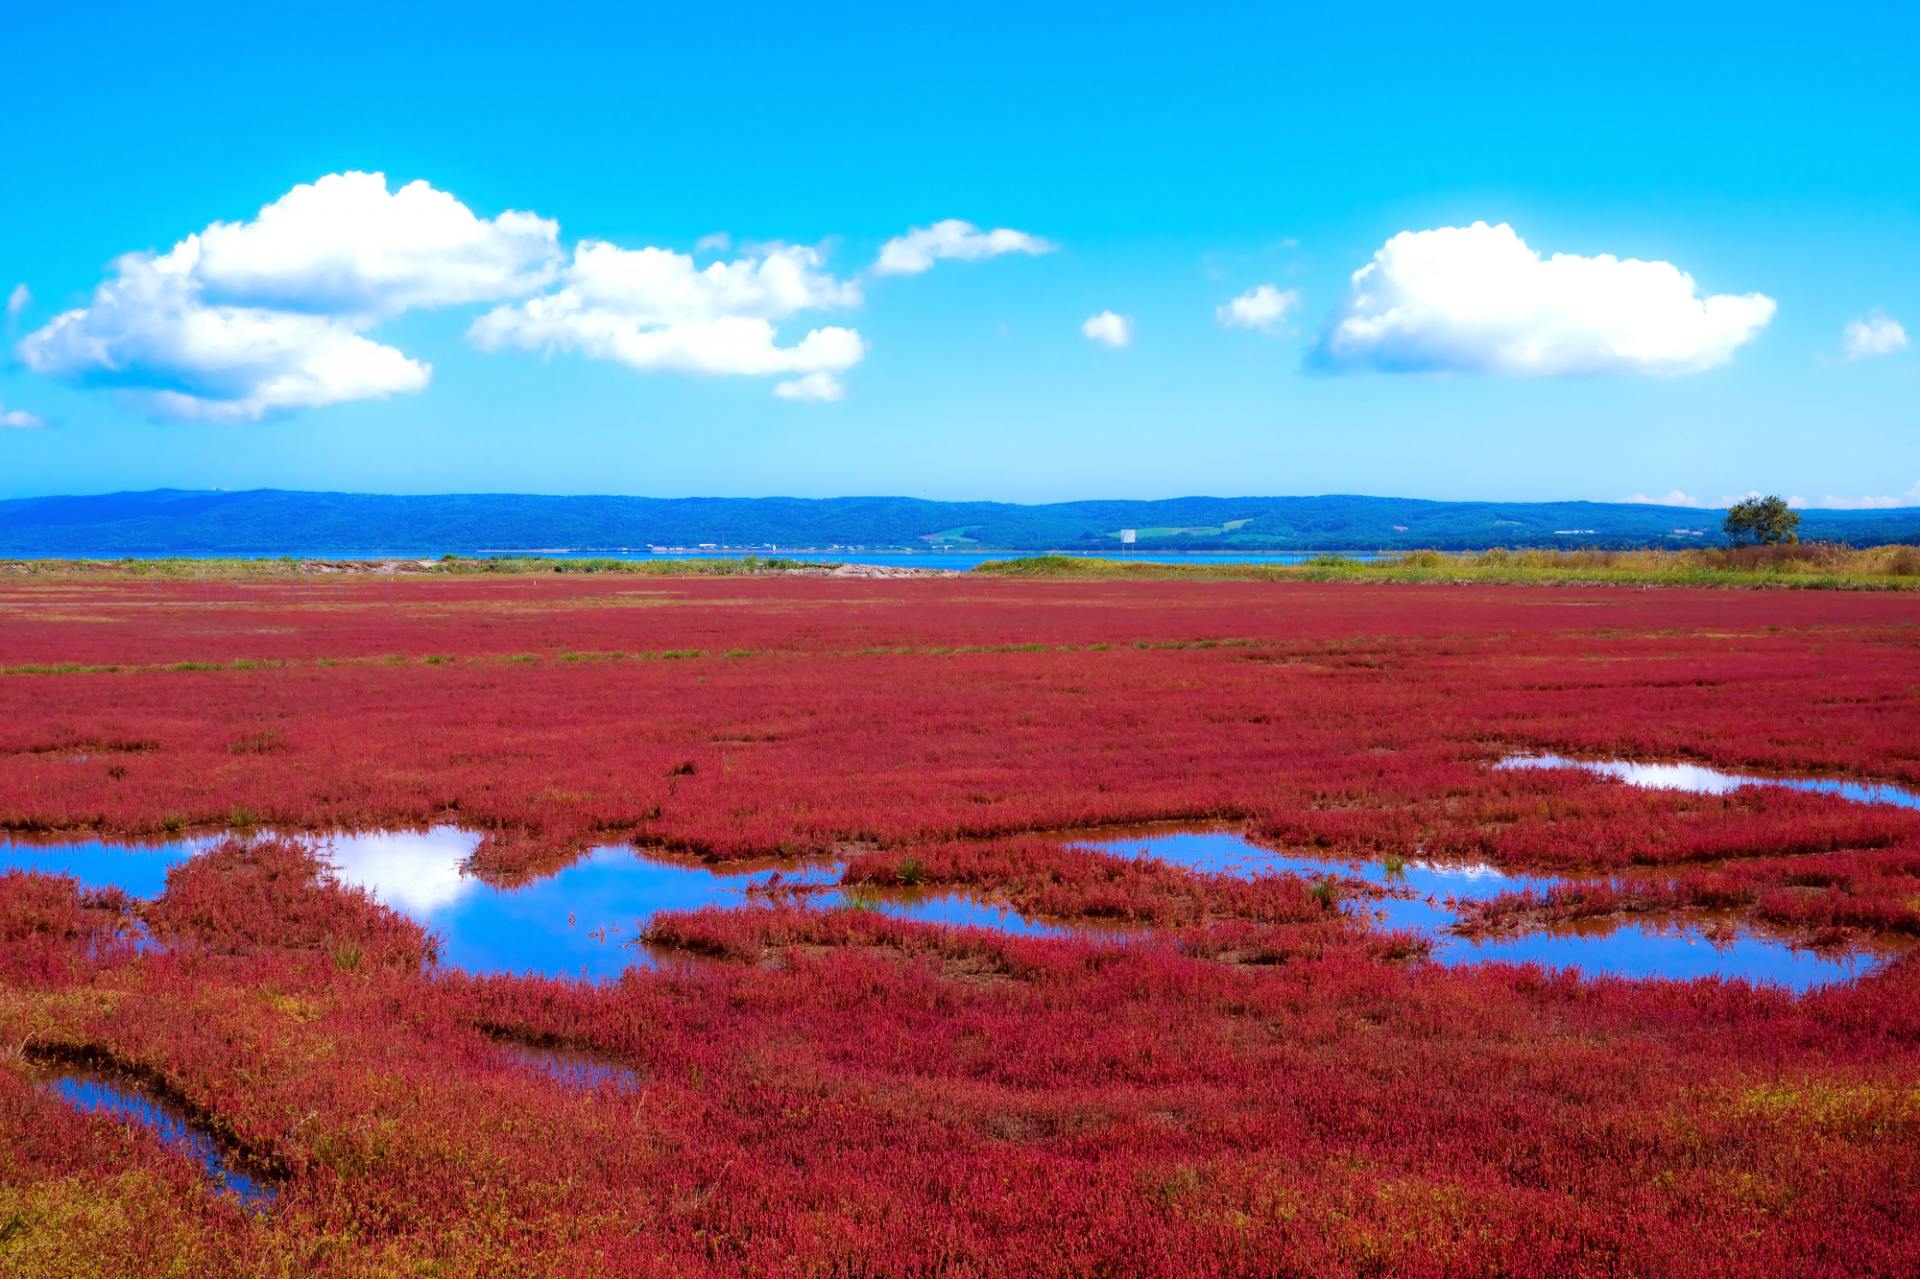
(718, 242)
(19, 300)
(1909, 498)
(1479, 299)
(1877, 334)
(921, 247)
(820, 386)
(1676, 497)
(1673, 498)
(19, 420)
(1108, 329)
(1261, 308)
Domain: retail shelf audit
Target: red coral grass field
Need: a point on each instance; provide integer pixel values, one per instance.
(1193, 1073)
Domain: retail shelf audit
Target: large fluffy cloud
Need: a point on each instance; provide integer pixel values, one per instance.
(654, 309)
(345, 245)
(245, 318)
(150, 333)
(921, 247)
(277, 312)
(1478, 299)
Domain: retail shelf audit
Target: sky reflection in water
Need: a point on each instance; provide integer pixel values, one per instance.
(1630, 949)
(93, 1092)
(572, 1067)
(582, 920)
(578, 922)
(1702, 780)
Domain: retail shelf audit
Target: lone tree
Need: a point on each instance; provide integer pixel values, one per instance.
(1763, 521)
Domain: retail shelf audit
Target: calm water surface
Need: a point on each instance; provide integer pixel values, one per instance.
(583, 921)
(573, 1067)
(1702, 780)
(1623, 949)
(578, 922)
(98, 1093)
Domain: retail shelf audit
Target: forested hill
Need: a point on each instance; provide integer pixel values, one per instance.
(272, 520)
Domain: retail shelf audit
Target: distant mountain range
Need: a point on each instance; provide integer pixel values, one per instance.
(173, 521)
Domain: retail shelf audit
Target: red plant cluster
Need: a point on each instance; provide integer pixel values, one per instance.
(1047, 878)
(276, 894)
(1253, 1085)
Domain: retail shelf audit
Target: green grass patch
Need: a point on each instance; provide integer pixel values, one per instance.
(1809, 567)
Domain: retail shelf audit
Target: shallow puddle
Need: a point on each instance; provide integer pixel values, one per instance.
(140, 870)
(1595, 948)
(96, 1092)
(571, 1067)
(581, 921)
(1702, 780)
(953, 909)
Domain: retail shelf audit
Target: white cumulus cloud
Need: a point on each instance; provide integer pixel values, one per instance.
(346, 246)
(19, 419)
(19, 300)
(921, 247)
(1108, 329)
(1479, 299)
(245, 318)
(1261, 308)
(656, 310)
(1876, 334)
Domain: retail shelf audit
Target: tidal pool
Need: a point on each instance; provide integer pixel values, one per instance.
(97, 1092)
(139, 870)
(1702, 780)
(581, 921)
(1598, 948)
(950, 907)
(573, 1067)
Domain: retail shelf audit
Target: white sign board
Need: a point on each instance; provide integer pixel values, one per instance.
(1127, 536)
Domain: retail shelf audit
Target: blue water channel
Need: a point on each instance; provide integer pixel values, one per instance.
(93, 1092)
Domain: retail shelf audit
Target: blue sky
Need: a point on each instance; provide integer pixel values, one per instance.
(1166, 161)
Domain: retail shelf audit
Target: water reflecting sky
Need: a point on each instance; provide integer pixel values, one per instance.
(1711, 781)
(577, 922)
(582, 920)
(1620, 949)
(93, 1092)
